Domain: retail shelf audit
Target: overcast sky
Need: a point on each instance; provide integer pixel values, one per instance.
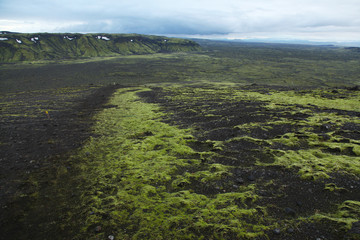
(316, 20)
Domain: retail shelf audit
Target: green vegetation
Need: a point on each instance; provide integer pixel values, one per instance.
(286, 65)
(238, 63)
(44, 46)
(321, 148)
(141, 179)
(134, 169)
(192, 145)
(348, 213)
(320, 159)
(345, 100)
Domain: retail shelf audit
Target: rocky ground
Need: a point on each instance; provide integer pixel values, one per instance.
(243, 132)
(38, 130)
(300, 160)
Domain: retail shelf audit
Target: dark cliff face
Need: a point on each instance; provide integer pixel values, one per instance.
(42, 46)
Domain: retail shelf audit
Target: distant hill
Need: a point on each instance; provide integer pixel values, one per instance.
(40, 46)
(354, 49)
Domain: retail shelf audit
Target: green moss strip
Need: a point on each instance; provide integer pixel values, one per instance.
(132, 171)
(348, 213)
(314, 164)
(351, 102)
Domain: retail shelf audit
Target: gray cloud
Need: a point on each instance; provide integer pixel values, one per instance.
(146, 26)
(226, 17)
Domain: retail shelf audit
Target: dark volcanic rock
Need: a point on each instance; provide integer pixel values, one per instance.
(290, 211)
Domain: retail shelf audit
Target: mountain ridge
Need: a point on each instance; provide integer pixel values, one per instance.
(15, 47)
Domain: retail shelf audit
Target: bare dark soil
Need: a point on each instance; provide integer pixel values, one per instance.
(33, 141)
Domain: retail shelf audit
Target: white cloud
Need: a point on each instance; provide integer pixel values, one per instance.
(268, 18)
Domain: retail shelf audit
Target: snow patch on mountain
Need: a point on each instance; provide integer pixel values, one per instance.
(34, 39)
(69, 38)
(103, 38)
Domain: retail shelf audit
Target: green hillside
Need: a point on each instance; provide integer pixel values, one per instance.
(29, 47)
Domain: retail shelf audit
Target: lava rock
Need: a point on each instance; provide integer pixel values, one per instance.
(324, 136)
(355, 88)
(290, 211)
(325, 127)
(239, 181)
(355, 228)
(251, 177)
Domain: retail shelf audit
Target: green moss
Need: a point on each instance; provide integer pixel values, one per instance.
(320, 154)
(314, 164)
(216, 172)
(351, 102)
(348, 212)
(132, 176)
(332, 187)
(289, 139)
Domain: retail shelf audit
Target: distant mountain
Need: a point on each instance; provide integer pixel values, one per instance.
(39, 46)
(282, 41)
(303, 42)
(354, 49)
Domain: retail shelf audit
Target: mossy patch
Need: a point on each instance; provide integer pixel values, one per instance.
(315, 147)
(254, 133)
(225, 169)
(347, 213)
(348, 101)
(136, 182)
(301, 129)
(314, 164)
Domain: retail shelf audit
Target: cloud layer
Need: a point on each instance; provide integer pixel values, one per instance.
(307, 19)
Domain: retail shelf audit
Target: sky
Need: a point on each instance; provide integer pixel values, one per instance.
(313, 20)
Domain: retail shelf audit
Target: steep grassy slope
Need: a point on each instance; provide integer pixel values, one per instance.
(29, 47)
